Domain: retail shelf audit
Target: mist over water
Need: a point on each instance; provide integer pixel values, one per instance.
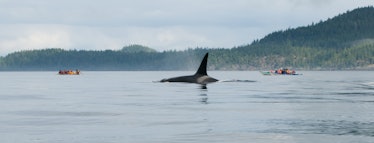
(245, 107)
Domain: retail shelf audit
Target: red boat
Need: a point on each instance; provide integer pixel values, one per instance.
(68, 72)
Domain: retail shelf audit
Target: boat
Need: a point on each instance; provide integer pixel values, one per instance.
(280, 71)
(68, 72)
(265, 72)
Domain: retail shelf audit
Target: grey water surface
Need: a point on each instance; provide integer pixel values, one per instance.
(121, 107)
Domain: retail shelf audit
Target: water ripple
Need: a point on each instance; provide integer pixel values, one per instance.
(332, 127)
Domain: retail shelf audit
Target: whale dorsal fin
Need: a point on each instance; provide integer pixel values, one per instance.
(202, 68)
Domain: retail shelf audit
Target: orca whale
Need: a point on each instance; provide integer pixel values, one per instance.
(200, 77)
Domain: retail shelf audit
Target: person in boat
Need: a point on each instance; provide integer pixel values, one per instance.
(63, 72)
(288, 71)
(284, 71)
(279, 71)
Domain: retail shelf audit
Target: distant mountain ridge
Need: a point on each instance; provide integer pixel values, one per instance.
(344, 42)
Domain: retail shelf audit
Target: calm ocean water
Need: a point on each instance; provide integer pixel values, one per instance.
(120, 107)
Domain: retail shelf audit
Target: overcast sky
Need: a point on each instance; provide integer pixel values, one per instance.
(159, 24)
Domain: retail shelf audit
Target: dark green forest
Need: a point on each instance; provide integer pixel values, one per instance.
(344, 42)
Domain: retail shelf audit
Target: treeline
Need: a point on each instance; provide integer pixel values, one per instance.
(360, 56)
(55, 59)
(345, 42)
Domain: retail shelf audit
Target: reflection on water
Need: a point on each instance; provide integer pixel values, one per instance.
(203, 86)
(204, 98)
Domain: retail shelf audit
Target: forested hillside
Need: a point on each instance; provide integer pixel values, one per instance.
(344, 42)
(338, 32)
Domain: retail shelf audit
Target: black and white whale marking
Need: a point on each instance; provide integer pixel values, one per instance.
(200, 77)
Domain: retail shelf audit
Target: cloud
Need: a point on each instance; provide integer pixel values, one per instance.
(26, 37)
(161, 24)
